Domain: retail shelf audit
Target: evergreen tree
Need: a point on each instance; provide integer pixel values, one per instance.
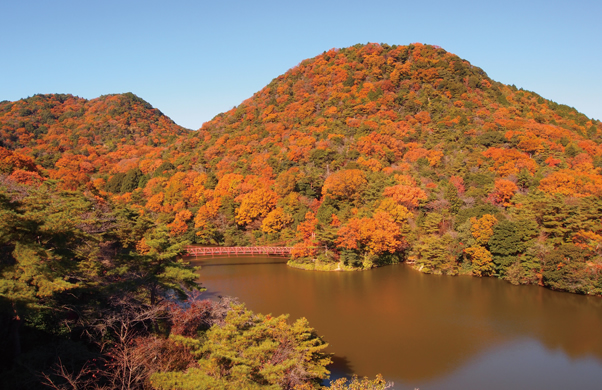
(251, 351)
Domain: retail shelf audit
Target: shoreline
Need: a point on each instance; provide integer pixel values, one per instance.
(317, 265)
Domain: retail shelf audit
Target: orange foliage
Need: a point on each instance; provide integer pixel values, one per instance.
(371, 164)
(407, 196)
(307, 228)
(155, 203)
(307, 233)
(179, 226)
(345, 184)
(510, 161)
(423, 117)
(552, 162)
(582, 162)
(378, 234)
(530, 144)
(588, 240)
(10, 161)
(503, 192)
(377, 145)
(206, 213)
(558, 183)
(26, 177)
(229, 185)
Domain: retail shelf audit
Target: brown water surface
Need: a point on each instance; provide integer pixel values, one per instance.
(426, 331)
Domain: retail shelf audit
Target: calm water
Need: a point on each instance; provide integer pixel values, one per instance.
(427, 331)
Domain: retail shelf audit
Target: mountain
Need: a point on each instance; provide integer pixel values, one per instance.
(380, 102)
(74, 139)
(359, 157)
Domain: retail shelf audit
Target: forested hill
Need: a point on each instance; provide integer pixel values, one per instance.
(383, 106)
(376, 150)
(75, 139)
(63, 119)
(360, 156)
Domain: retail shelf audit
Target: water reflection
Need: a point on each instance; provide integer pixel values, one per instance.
(425, 330)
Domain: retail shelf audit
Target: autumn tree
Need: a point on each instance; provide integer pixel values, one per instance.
(346, 184)
(482, 228)
(306, 234)
(275, 221)
(256, 204)
(371, 237)
(503, 192)
(481, 259)
(405, 195)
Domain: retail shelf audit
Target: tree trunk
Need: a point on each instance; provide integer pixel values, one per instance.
(153, 294)
(15, 334)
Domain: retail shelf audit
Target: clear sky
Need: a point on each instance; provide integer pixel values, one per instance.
(195, 59)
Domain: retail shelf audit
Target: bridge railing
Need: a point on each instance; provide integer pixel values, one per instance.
(238, 250)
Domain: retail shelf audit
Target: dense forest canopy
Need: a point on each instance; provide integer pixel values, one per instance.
(358, 157)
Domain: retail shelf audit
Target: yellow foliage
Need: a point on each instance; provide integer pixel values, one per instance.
(482, 261)
(398, 212)
(406, 180)
(275, 221)
(482, 228)
(434, 158)
(256, 204)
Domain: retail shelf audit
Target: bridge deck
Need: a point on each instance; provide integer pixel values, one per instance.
(238, 250)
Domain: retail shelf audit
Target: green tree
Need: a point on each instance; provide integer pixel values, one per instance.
(451, 194)
(251, 351)
(152, 260)
(46, 248)
(432, 223)
(436, 254)
(565, 269)
(131, 180)
(166, 169)
(505, 244)
(115, 183)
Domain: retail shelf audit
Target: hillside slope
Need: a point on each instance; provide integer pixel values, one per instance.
(74, 139)
(373, 151)
(360, 157)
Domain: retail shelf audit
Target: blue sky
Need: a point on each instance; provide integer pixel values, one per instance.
(195, 59)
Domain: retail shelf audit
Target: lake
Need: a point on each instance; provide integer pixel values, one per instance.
(427, 331)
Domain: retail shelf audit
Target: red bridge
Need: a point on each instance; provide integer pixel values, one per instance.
(238, 250)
